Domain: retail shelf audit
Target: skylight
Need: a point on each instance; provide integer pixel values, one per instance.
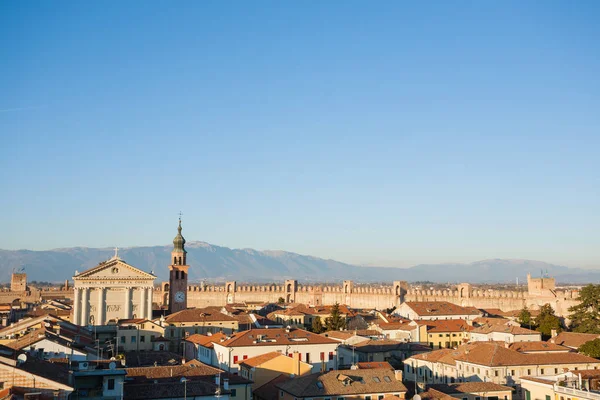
(387, 379)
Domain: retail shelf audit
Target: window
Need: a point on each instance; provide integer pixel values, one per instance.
(322, 356)
(556, 370)
(111, 384)
(143, 339)
(547, 397)
(308, 357)
(495, 373)
(233, 392)
(133, 339)
(376, 379)
(245, 357)
(367, 397)
(542, 371)
(512, 372)
(123, 339)
(330, 355)
(527, 394)
(477, 398)
(380, 397)
(340, 398)
(528, 372)
(281, 393)
(235, 360)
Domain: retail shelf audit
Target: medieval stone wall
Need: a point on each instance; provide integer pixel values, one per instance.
(368, 297)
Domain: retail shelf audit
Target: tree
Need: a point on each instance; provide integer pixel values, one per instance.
(547, 321)
(317, 326)
(525, 317)
(585, 316)
(591, 348)
(336, 321)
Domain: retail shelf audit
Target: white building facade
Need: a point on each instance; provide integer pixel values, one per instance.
(112, 290)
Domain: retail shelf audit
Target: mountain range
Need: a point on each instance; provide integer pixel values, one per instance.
(216, 263)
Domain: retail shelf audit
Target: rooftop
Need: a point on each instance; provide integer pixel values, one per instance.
(274, 337)
(333, 383)
(437, 308)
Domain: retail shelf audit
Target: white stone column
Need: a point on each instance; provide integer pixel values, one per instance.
(85, 307)
(143, 303)
(149, 305)
(101, 307)
(76, 307)
(127, 303)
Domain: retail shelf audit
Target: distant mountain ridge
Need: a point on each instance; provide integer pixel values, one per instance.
(212, 262)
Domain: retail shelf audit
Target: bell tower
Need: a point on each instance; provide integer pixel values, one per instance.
(178, 274)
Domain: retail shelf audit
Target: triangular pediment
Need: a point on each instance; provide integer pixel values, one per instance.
(114, 269)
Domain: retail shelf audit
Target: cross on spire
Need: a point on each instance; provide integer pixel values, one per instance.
(180, 214)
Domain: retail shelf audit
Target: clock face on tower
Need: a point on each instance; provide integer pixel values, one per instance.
(179, 297)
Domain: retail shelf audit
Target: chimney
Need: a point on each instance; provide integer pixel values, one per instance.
(553, 333)
(225, 384)
(398, 375)
(296, 367)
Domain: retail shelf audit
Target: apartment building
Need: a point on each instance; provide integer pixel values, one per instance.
(491, 362)
(317, 350)
(446, 333)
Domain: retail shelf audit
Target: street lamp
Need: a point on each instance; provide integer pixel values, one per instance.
(184, 381)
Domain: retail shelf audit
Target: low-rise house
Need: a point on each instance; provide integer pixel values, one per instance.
(504, 333)
(137, 334)
(446, 333)
(364, 384)
(402, 330)
(201, 347)
(472, 391)
(434, 310)
(184, 323)
(266, 367)
(572, 340)
(313, 349)
(492, 362)
(6, 314)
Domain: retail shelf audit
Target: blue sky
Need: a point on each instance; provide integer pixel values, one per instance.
(387, 133)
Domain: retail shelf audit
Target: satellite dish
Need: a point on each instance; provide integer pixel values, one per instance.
(22, 358)
(416, 397)
(112, 365)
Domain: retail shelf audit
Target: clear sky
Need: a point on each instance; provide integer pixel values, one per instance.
(387, 133)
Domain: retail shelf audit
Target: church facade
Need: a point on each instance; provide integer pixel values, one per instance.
(112, 290)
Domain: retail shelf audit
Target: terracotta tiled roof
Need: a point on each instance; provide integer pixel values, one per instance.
(448, 325)
(383, 345)
(500, 328)
(438, 308)
(470, 387)
(260, 359)
(400, 326)
(573, 339)
(275, 337)
(525, 347)
(205, 340)
(149, 358)
(374, 364)
(333, 383)
(198, 315)
(495, 355)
